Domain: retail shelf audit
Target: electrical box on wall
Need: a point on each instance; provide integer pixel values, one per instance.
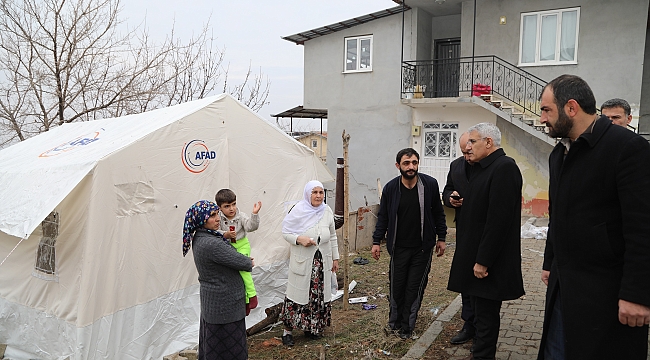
(415, 130)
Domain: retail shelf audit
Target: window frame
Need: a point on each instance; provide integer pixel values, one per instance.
(558, 35)
(314, 143)
(358, 63)
(438, 128)
(46, 262)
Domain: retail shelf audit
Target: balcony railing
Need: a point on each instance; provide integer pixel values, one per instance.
(462, 76)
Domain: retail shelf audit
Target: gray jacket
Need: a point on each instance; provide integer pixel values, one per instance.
(222, 288)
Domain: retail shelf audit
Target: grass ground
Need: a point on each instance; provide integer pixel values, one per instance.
(358, 333)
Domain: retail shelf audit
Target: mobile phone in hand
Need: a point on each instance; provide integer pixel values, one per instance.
(456, 197)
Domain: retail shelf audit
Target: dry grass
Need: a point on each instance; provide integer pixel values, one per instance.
(357, 333)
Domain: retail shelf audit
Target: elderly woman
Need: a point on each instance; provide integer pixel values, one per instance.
(309, 229)
(222, 329)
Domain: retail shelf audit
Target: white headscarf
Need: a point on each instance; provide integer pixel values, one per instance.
(303, 215)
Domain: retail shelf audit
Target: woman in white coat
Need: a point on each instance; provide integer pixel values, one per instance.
(309, 229)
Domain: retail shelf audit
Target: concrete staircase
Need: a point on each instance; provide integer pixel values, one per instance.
(515, 112)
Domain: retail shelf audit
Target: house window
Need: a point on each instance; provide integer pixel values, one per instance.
(45, 267)
(549, 37)
(440, 140)
(314, 143)
(358, 54)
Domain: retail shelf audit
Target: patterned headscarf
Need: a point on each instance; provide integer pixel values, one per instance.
(195, 217)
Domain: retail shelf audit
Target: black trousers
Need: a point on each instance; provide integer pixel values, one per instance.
(467, 314)
(487, 323)
(409, 275)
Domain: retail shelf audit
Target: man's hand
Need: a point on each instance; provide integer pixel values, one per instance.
(480, 271)
(454, 202)
(545, 275)
(256, 207)
(633, 314)
(440, 248)
(305, 241)
(376, 250)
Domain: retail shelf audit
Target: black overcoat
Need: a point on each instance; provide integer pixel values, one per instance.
(488, 231)
(456, 181)
(598, 247)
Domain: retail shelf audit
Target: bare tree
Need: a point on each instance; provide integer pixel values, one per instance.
(65, 61)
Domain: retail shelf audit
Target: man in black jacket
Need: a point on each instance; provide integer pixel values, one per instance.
(597, 256)
(452, 196)
(487, 261)
(410, 216)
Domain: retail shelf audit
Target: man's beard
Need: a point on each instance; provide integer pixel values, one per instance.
(407, 176)
(562, 126)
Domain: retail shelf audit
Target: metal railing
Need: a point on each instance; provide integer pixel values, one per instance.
(462, 76)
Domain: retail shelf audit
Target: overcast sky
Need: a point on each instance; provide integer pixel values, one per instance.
(251, 32)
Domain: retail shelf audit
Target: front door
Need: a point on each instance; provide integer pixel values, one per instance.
(438, 149)
(446, 68)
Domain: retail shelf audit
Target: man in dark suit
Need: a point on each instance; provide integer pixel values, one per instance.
(452, 196)
(596, 262)
(487, 261)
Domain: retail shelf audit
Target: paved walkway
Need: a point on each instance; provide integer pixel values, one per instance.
(521, 319)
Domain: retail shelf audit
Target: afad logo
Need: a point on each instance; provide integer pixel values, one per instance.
(74, 144)
(196, 156)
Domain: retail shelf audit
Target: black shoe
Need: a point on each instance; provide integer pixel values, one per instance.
(390, 331)
(462, 337)
(310, 335)
(287, 340)
(405, 334)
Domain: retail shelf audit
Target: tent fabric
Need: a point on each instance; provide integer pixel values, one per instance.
(120, 188)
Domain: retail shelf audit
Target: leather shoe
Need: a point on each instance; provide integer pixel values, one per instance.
(390, 331)
(287, 340)
(405, 334)
(462, 337)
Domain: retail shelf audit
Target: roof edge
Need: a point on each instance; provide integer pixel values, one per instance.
(301, 37)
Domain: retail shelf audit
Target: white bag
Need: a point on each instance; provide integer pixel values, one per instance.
(335, 284)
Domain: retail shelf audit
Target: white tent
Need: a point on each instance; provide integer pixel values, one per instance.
(91, 218)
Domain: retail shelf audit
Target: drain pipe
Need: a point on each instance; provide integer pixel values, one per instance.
(339, 219)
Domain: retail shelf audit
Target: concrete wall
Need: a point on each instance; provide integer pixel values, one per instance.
(366, 105)
(422, 36)
(531, 155)
(445, 27)
(611, 41)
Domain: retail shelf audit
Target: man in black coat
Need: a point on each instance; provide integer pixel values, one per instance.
(410, 217)
(452, 196)
(597, 257)
(487, 262)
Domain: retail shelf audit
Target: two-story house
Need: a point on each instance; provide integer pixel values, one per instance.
(404, 77)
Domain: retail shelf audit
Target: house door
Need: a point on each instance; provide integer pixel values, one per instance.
(439, 149)
(446, 68)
